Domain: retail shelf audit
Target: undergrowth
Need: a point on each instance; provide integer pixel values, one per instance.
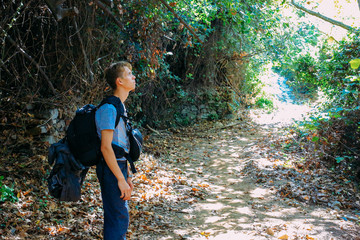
(333, 130)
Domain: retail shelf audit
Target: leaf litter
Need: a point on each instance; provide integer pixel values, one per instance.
(160, 192)
(183, 190)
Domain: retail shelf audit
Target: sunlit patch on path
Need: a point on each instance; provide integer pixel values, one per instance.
(247, 194)
(286, 108)
(247, 185)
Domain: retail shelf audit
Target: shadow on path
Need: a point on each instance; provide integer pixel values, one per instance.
(243, 201)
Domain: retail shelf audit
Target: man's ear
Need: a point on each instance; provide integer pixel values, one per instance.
(118, 81)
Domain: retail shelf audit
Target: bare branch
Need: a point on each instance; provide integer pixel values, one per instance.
(86, 59)
(22, 51)
(316, 14)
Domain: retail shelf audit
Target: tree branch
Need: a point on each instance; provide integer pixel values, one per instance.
(316, 14)
(22, 51)
(182, 21)
(110, 3)
(86, 59)
(107, 11)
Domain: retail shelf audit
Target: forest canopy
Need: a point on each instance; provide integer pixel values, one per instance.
(55, 49)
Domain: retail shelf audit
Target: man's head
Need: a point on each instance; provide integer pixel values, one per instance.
(115, 71)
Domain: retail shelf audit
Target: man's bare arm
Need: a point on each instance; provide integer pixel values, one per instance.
(110, 159)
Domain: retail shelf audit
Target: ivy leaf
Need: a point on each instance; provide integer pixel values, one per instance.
(355, 63)
(339, 159)
(315, 139)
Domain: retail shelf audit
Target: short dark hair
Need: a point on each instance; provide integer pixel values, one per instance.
(114, 71)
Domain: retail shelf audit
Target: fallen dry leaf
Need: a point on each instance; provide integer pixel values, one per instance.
(284, 237)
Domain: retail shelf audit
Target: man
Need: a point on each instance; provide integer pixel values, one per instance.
(114, 174)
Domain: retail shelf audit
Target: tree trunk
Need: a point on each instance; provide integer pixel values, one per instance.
(358, 4)
(332, 21)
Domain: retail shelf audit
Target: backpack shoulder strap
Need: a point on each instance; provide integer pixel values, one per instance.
(116, 102)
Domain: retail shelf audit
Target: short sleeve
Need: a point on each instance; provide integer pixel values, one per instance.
(105, 117)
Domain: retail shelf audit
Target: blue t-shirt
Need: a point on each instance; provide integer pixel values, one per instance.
(105, 118)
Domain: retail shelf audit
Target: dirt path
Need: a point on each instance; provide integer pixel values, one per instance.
(248, 188)
(229, 180)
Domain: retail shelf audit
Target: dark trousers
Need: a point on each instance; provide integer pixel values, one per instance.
(116, 214)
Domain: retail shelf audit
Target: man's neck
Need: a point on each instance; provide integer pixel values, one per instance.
(120, 93)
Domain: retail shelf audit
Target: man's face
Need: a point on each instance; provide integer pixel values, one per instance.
(127, 80)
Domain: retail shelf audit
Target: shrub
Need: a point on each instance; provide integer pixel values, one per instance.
(6, 193)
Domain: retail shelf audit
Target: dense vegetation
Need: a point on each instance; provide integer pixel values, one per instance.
(64, 60)
(333, 130)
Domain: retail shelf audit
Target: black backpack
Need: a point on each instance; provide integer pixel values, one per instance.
(67, 174)
(84, 142)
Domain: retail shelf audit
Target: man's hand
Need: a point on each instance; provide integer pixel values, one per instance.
(129, 181)
(125, 189)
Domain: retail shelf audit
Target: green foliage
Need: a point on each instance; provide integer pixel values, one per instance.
(334, 127)
(334, 65)
(6, 193)
(296, 60)
(355, 63)
(231, 31)
(304, 78)
(265, 103)
(251, 86)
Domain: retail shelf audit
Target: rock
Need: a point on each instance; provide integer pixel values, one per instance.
(229, 116)
(54, 114)
(60, 126)
(335, 204)
(43, 129)
(213, 112)
(270, 231)
(50, 140)
(189, 112)
(204, 116)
